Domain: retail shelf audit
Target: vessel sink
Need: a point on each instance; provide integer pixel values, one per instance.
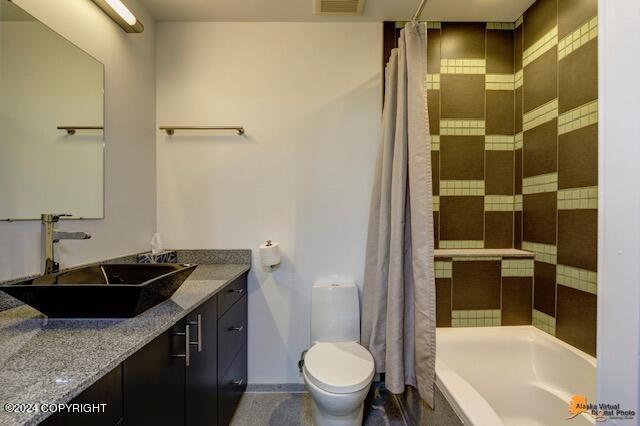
(101, 291)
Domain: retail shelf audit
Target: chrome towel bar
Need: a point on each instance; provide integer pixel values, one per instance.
(71, 130)
(172, 129)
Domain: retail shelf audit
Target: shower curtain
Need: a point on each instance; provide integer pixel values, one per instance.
(398, 315)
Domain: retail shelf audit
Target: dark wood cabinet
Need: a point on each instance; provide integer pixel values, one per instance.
(108, 391)
(192, 374)
(201, 385)
(153, 381)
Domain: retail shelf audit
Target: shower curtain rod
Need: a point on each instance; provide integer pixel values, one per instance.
(419, 11)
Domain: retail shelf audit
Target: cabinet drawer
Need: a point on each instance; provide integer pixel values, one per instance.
(231, 388)
(232, 334)
(231, 294)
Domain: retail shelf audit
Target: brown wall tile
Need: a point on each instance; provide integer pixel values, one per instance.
(539, 19)
(476, 285)
(540, 149)
(579, 77)
(541, 80)
(433, 106)
(498, 229)
(461, 218)
(436, 229)
(433, 51)
(462, 96)
(462, 157)
(576, 318)
(578, 238)
(578, 158)
(573, 13)
(499, 112)
(435, 172)
(518, 171)
(443, 302)
(517, 230)
(463, 40)
(500, 52)
(539, 218)
(518, 110)
(516, 300)
(499, 173)
(518, 50)
(544, 288)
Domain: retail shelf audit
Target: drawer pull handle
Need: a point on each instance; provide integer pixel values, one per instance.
(238, 329)
(198, 323)
(187, 341)
(238, 382)
(237, 290)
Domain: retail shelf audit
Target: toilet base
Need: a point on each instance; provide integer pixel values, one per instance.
(323, 418)
(331, 409)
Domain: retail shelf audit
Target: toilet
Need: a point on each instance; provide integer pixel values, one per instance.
(337, 370)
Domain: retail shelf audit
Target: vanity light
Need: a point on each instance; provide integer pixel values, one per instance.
(121, 14)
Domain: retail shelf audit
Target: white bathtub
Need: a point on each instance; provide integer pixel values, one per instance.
(496, 376)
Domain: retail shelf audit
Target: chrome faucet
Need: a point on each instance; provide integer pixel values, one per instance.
(51, 236)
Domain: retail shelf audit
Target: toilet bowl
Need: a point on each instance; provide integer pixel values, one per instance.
(337, 370)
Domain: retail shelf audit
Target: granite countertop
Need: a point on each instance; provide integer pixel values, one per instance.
(53, 360)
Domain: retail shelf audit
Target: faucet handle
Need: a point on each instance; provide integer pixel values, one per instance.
(53, 217)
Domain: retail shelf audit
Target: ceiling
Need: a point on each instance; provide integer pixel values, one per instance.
(302, 10)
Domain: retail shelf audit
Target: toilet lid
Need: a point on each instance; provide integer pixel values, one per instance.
(340, 367)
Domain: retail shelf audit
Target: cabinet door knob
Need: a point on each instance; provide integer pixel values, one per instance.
(237, 290)
(238, 329)
(239, 382)
(197, 323)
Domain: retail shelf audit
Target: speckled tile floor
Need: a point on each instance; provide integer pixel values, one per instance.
(280, 409)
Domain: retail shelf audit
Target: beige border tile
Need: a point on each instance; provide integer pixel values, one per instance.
(463, 66)
(541, 183)
(582, 116)
(476, 318)
(544, 322)
(587, 32)
(540, 115)
(461, 244)
(580, 279)
(517, 267)
(546, 253)
(462, 127)
(578, 198)
(462, 187)
(538, 48)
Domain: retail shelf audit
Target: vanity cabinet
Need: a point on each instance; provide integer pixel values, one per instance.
(153, 382)
(192, 374)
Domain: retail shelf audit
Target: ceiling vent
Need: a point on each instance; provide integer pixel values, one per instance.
(339, 7)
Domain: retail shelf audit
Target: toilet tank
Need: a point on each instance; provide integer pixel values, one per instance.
(335, 312)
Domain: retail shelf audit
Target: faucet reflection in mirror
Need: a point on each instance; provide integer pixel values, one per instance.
(51, 236)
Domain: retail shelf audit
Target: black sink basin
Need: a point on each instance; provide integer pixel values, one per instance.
(101, 291)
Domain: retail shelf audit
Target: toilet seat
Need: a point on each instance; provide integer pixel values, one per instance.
(339, 367)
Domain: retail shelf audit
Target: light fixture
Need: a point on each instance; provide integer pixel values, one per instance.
(121, 14)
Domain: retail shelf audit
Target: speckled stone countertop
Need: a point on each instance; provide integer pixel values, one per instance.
(53, 360)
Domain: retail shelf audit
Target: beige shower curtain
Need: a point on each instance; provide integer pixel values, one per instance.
(398, 318)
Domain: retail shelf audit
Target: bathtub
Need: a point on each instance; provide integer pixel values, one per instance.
(520, 375)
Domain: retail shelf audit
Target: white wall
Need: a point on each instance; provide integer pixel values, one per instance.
(130, 192)
(619, 222)
(309, 96)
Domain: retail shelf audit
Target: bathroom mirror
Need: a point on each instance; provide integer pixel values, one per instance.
(48, 84)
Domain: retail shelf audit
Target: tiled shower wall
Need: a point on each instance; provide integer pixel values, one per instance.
(557, 93)
(513, 120)
(470, 93)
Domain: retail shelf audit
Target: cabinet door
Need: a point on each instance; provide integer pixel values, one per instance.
(153, 381)
(107, 390)
(201, 390)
